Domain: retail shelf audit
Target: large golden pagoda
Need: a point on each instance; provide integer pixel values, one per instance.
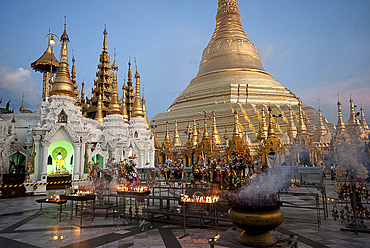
(231, 77)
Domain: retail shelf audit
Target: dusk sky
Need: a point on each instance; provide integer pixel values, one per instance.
(316, 49)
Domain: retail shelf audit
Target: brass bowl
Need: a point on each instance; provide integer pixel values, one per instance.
(256, 223)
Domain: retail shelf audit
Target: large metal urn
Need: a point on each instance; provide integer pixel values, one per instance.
(256, 218)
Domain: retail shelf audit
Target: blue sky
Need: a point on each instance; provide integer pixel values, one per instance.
(315, 48)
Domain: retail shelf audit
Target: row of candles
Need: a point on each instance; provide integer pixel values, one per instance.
(54, 198)
(132, 188)
(200, 199)
(82, 193)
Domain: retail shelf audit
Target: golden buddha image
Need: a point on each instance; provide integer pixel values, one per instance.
(59, 162)
(59, 155)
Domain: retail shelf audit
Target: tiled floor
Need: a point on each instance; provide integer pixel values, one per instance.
(22, 224)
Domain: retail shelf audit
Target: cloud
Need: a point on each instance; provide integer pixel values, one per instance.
(13, 82)
(269, 54)
(358, 86)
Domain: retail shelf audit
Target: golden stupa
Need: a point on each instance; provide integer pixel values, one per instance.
(231, 77)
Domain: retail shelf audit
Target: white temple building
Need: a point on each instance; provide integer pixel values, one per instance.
(59, 137)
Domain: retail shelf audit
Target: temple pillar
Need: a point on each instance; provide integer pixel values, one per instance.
(77, 166)
(36, 165)
(44, 159)
(141, 159)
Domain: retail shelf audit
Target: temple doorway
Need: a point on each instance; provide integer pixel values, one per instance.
(17, 163)
(98, 160)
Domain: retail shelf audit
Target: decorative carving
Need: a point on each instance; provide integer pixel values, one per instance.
(56, 127)
(99, 150)
(62, 117)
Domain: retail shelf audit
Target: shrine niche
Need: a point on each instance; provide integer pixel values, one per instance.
(60, 159)
(62, 117)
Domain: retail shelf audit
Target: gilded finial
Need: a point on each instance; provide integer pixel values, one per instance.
(73, 79)
(21, 108)
(301, 125)
(105, 46)
(320, 128)
(194, 137)
(340, 124)
(114, 107)
(114, 65)
(214, 134)
(363, 120)
(176, 137)
(137, 109)
(124, 106)
(237, 132)
(167, 136)
(352, 121)
(292, 129)
(263, 130)
(99, 114)
(271, 129)
(62, 84)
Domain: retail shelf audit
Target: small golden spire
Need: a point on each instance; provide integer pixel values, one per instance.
(262, 132)
(62, 84)
(105, 46)
(271, 130)
(301, 125)
(114, 108)
(129, 92)
(156, 142)
(137, 110)
(167, 136)
(124, 106)
(176, 137)
(214, 134)
(83, 104)
(83, 91)
(194, 136)
(352, 121)
(363, 120)
(73, 79)
(21, 108)
(292, 129)
(320, 129)
(340, 124)
(189, 133)
(237, 132)
(114, 65)
(99, 114)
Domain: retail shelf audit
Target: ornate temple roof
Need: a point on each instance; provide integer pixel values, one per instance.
(103, 82)
(46, 61)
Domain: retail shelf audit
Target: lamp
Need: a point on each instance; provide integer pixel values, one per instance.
(52, 41)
